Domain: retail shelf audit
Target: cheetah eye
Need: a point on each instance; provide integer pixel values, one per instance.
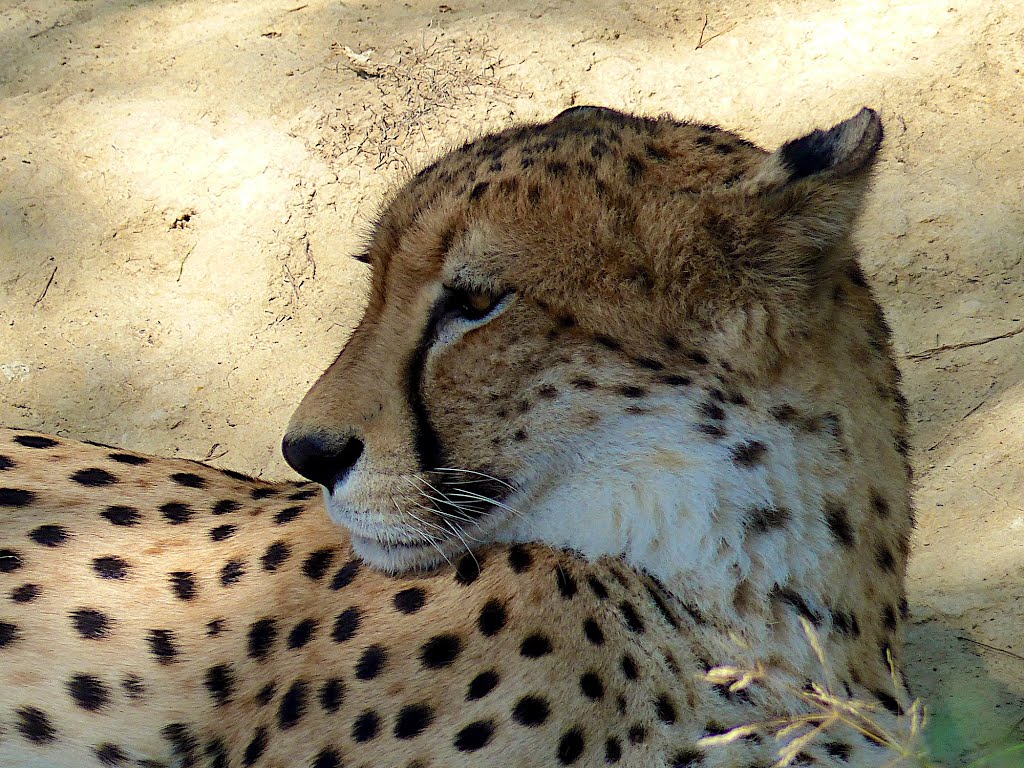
(473, 305)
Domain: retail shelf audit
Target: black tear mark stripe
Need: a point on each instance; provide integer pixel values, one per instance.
(429, 449)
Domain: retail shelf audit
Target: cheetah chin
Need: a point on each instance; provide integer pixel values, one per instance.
(616, 473)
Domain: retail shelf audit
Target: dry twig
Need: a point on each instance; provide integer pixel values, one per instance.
(962, 345)
(702, 42)
(46, 288)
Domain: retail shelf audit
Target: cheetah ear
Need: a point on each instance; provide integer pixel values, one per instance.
(811, 190)
(845, 150)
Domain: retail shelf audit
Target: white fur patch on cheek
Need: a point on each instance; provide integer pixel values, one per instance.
(677, 503)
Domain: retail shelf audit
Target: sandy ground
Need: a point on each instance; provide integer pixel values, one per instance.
(182, 185)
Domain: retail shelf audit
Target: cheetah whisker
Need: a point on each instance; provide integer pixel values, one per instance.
(493, 502)
(483, 475)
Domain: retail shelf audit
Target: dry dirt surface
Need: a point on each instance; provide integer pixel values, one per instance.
(182, 186)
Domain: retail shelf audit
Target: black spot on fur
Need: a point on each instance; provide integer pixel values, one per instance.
(535, 646)
(16, 497)
(327, 758)
(712, 411)
(26, 593)
(632, 391)
(232, 572)
(49, 535)
(332, 694)
(287, 514)
(111, 567)
(687, 758)
(440, 651)
(785, 413)
(467, 570)
(482, 684)
(592, 686)
(293, 705)
(749, 454)
(262, 493)
(765, 519)
(110, 755)
(303, 495)
(365, 726)
(629, 668)
(478, 191)
(566, 583)
(188, 480)
(122, 516)
(888, 702)
(33, 723)
(635, 168)
(256, 747)
(301, 633)
(795, 600)
(226, 507)
(531, 711)
(474, 736)
(133, 686)
(265, 694)
(215, 627)
(91, 624)
(176, 513)
(371, 662)
(631, 617)
(657, 592)
(665, 709)
(346, 625)
(222, 532)
(571, 746)
(838, 521)
(262, 635)
(593, 632)
(183, 584)
(217, 753)
(275, 555)
(10, 560)
(838, 749)
(492, 618)
(409, 600)
(345, 575)
(220, 682)
(8, 634)
(885, 559)
(412, 720)
(94, 477)
(35, 441)
(519, 558)
(316, 565)
(879, 505)
(889, 618)
(162, 645)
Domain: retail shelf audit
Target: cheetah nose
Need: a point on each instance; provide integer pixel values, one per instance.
(324, 459)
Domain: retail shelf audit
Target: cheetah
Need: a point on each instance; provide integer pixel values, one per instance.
(615, 472)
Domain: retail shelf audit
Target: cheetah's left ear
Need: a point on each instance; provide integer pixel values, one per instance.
(845, 150)
(812, 189)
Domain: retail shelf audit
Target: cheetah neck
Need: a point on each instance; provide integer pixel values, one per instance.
(712, 510)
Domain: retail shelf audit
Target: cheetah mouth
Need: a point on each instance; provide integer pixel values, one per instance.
(358, 540)
(397, 554)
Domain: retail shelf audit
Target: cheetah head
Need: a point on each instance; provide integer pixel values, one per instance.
(550, 308)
